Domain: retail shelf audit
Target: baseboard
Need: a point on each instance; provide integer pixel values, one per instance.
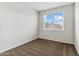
(76, 50)
(25, 43)
(57, 41)
(2, 51)
(76, 47)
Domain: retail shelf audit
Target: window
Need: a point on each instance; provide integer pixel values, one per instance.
(53, 21)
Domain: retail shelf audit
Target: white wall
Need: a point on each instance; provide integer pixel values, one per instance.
(76, 42)
(18, 25)
(61, 36)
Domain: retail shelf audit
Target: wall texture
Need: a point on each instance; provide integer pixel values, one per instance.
(61, 36)
(18, 25)
(76, 41)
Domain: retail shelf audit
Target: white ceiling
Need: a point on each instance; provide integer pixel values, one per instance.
(39, 6)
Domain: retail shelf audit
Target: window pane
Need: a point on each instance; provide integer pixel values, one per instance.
(47, 22)
(53, 21)
(58, 23)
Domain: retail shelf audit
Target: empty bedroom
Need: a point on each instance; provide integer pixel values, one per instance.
(39, 29)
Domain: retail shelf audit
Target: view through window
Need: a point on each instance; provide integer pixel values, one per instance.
(54, 21)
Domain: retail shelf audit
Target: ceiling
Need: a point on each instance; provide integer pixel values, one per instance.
(39, 6)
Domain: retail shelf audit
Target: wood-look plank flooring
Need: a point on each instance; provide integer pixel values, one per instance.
(41, 47)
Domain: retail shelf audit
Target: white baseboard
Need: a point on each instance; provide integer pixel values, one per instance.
(57, 40)
(77, 50)
(20, 43)
(76, 46)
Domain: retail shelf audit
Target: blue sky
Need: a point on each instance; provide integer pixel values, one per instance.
(51, 18)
